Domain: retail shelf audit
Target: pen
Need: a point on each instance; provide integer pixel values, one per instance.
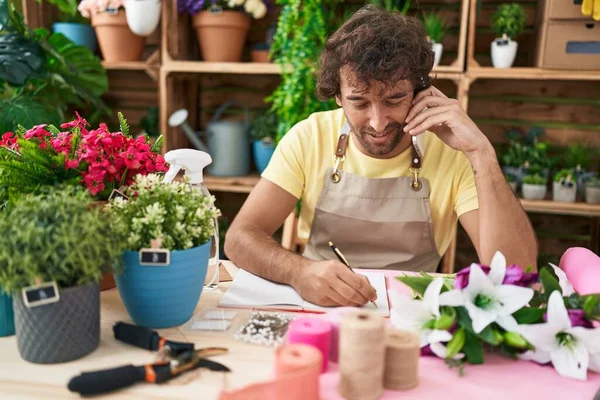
(343, 260)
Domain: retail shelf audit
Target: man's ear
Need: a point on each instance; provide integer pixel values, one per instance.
(338, 100)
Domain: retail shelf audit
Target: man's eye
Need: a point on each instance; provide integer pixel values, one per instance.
(396, 104)
(361, 106)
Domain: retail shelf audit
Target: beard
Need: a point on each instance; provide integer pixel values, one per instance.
(379, 144)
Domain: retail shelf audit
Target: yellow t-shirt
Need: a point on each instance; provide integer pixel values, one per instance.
(303, 155)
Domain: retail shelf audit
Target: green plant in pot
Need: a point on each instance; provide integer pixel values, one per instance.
(508, 22)
(592, 190)
(436, 29)
(56, 237)
(580, 159)
(534, 187)
(72, 24)
(264, 132)
(161, 290)
(564, 187)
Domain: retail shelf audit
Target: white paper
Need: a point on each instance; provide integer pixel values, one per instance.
(250, 291)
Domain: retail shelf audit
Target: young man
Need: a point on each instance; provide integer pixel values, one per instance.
(382, 200)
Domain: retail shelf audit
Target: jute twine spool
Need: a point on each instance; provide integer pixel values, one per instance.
(362, 355)
(401, 360)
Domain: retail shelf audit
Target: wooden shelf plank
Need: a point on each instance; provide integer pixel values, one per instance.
(125, 65)
(235, 184)
(245, 184)
(561, 208)
(442, 72)
(530, 73)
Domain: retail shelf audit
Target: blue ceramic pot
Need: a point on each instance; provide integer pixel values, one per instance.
(262, 154)
(163, 297)
(7, 315)
(83, 35)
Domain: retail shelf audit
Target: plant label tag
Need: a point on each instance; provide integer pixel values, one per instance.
(155, 257)
(117, 193)
(502, 42)
(38, 295)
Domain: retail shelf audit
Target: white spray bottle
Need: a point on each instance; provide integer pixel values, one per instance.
(193, 163)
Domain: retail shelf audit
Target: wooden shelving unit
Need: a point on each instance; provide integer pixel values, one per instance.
(531, 73)
(561, 208)
(236, 184)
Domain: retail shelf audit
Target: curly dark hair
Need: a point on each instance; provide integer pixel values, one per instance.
(377, 45)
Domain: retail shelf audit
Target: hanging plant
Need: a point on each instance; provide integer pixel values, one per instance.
(301, 33)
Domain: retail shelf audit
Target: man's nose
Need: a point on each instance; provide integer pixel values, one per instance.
(378, 120)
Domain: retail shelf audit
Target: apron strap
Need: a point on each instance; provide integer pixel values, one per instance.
(415, 168)
(340, 152)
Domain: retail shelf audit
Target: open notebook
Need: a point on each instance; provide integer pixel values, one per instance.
(250, 291)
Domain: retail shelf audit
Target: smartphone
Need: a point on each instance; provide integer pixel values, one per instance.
(419, 144)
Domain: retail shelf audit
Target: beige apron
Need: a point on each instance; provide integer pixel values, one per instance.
(376, 223)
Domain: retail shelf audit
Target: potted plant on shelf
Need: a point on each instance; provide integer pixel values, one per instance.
(264, 132)
(54, 249)
(73, 25)
(508, 22)
(167, 230)
(564, 187)
(436, 29)
(592, 190)
(222, 25)
(579, 158)
(116, 40)
(534, 187)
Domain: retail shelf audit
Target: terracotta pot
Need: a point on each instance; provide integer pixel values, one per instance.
(221, 35)
(260, 56)
(117, 42)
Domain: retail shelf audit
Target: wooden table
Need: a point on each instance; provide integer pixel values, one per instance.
(249, 363)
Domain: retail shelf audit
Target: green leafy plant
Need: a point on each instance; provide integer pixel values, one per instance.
(264, 126)
(510, 178)
(43, 75)
(578, 156)
(175, 212)
(592, 181)
(59, 236)
(301, 33)
(435, 26)
(534, 179)
(68, 11)
(509, 19)
(393, 5)
(565, 177)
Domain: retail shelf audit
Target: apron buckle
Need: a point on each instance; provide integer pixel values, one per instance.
(335, 175)
(416, 183)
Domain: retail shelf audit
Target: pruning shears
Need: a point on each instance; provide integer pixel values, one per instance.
(175, 359)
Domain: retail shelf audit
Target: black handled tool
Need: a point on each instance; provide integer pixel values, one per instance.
(148, 339)
(108, 380)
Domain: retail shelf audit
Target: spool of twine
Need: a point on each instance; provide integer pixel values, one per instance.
(335, 319)
(362, 355)
(314, 332)
(402, 351)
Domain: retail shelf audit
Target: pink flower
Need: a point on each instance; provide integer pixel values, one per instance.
(131, 157)
(38, 132)
(72, 164)
(94, 181)
(9, 140)
(78, 122)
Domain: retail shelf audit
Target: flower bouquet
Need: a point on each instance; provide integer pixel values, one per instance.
(256, 8)
(502, 308)
(99, 159)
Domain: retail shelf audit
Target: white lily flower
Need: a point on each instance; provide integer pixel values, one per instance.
(417, 315)
(486, 299)
(565, 285)
(572, 350)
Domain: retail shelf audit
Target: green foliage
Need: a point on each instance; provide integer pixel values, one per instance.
(435, 26)
(576, 155)
(564, 175)
(49, 74)
(264, 126)
(302, 30)
(56, 236)
(525, 155)
(123, 125)
(68, 11)
(535, 179)
(175, 212)
(592, 182)
(392, 5)
(509, 19)
(510, 178)
(31, 169)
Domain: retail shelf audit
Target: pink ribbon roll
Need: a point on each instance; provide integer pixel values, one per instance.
(297, 370)
(312, 331)
(582, 267)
